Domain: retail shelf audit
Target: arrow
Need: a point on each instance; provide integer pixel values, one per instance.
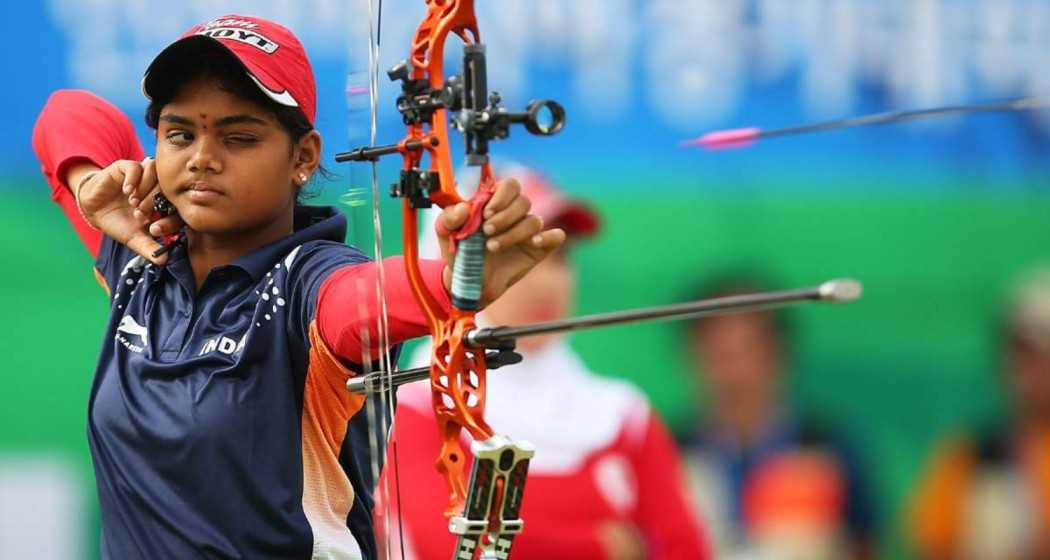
(744, 137)
(502, 338)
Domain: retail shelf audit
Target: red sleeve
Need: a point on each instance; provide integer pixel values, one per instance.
(347, 307)
(664, 516)
(77, 126)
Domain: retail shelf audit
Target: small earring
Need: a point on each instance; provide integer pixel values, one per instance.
(302, 177)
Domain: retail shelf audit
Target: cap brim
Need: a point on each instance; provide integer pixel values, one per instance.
(192, 46)
(576, 219)
(200, 46)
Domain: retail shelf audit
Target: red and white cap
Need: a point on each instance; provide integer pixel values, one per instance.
(549, 203)
(577, 218)
(271, 55)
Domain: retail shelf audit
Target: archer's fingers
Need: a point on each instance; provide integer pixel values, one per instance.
(143, 208)
(544, 243)
(507, 190)
(145, 204)
(114, 175)
(132, 175)
(166, 226)
(145, 246)
(549, 240)
(146, 183)
(520, 232)
(452, 218)
(508, 217)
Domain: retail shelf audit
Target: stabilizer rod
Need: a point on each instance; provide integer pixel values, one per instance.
(502, 338)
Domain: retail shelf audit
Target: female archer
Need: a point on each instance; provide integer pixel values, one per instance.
(219, 424)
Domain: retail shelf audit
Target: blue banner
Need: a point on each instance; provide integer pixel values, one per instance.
(637, 77)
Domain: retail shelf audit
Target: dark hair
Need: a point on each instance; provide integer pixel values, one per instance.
(229, 75)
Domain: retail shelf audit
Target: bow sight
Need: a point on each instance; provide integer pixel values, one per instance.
(479, 117)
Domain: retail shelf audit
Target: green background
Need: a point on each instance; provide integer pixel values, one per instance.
(915, 358)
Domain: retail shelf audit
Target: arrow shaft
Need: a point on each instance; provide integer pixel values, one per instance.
(504, 337)
(889, 117)
(493, 336)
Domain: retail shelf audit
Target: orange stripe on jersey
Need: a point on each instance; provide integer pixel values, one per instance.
(1037, 459)
(102, 281)
(939, 507)
(327, 492)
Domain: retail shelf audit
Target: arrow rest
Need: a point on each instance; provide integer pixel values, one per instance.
(415, 185)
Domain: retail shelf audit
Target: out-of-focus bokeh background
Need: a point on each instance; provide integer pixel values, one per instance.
(936, 218)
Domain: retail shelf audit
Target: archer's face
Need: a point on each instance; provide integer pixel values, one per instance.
(224, 162)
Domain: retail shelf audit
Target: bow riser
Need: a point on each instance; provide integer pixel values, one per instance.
(457, 372)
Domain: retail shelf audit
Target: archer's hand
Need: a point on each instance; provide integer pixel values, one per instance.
(516, 239)
(117, 199)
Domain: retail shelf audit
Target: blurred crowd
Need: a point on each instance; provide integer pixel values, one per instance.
(769, 481)
(756, 477)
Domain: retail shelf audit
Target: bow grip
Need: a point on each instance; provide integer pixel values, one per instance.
(468, 248)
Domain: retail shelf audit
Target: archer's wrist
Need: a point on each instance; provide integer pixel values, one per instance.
(81, 175)
(77, 172)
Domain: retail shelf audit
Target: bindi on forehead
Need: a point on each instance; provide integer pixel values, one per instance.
(204, 121)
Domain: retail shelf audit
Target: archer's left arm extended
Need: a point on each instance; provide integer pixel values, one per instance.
(348, 306)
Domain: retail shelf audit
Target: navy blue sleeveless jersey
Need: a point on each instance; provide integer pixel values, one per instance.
(219, 425)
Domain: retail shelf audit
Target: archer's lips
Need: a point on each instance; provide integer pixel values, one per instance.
(201, 191)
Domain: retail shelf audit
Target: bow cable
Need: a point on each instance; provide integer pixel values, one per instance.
(381, 420)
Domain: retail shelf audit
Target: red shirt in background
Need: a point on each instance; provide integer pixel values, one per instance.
(602, 456)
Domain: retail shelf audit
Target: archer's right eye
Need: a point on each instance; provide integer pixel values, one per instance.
(179, 137)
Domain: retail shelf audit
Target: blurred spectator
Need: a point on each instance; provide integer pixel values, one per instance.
(986, 495)
(606, 481)
(768, 483)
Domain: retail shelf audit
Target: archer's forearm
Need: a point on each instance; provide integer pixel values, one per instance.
(75, 131)
(77, 173)
(348, 306)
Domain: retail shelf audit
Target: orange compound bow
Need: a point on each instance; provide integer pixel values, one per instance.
(483, 512)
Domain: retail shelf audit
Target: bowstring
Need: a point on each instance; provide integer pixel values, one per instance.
(381, 421)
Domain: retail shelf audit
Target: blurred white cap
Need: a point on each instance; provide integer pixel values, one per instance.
(548, 202)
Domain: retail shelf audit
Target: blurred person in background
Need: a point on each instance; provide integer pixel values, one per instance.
(768, 483)
(606, 481)
(986, 494)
